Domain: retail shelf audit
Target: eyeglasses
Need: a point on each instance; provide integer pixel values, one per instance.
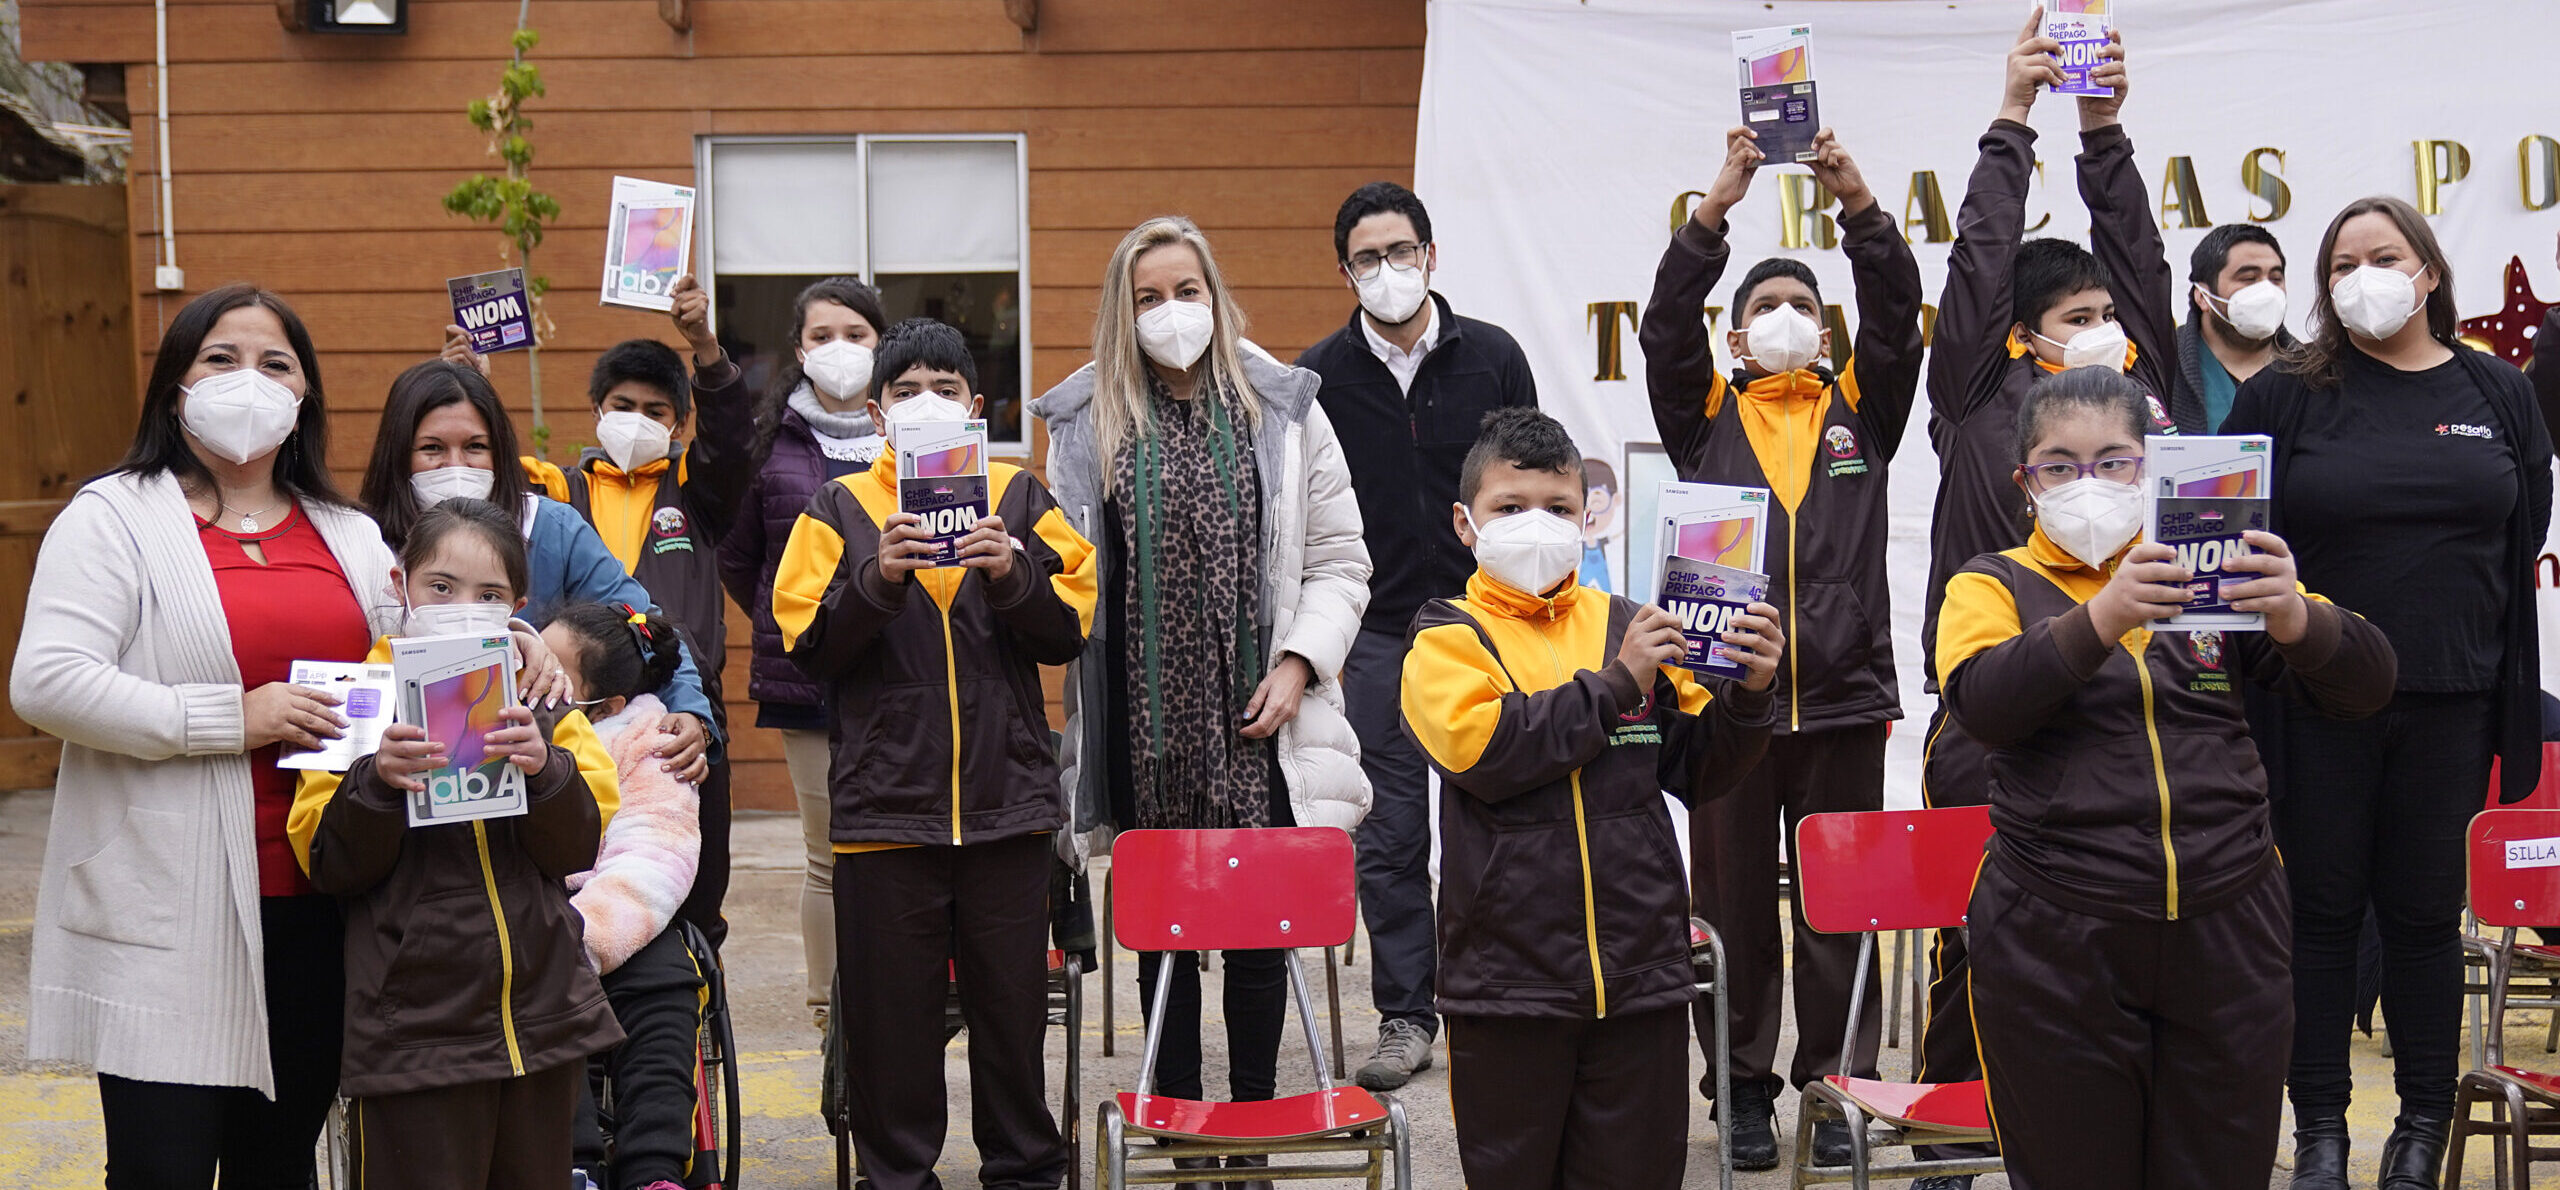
(1406, 257)
(2121, 469)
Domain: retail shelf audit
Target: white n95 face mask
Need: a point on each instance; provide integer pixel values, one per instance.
(1782, 340)
(2255, 312)
(450, 483)
(2090, 518)
(240, 414)
(1175, 333)
(924, 407)
(633, 440)
(840, 368)
(457, 619)
(2374, 301)
(2100, 346)
(1393, 294)
(1529, 552)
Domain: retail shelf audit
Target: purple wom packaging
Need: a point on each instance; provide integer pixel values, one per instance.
(1705, 598)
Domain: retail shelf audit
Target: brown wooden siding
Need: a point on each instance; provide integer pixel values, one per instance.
(314, 164)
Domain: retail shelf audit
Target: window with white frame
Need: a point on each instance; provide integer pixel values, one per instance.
(935, 222)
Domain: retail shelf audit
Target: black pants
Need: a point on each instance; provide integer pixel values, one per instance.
(1956, 773)
(2132, 1054)
(1733, 860)
(1257, 999)
(2373, 814)
(904, 919)
(657, 997)
(1547, 1104)
(173, 1136)
(711, 878)
(504, 1134)
(1394, 841)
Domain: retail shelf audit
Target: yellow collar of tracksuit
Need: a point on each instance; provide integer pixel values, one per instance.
(1803, 384)
(1491, 594)
(620, 504)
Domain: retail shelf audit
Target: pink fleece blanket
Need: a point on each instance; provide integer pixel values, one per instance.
(646, 864)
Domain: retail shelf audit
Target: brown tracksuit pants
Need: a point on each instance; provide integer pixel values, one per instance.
(1733, 877)
(904, 918)
(1570, 1104)
(506, 1134)
(2133, 1054)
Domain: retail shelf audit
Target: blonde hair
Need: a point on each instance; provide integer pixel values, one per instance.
(1122, 405)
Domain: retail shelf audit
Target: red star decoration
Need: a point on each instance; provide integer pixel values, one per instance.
(2508, 334)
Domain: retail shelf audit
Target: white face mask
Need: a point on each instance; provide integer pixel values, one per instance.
(1175, 333)
(840, 368)
(1394, 294)
(924, 407)
(2255, 313)
(1529, 552)
(632, 440)
(2100, 346)
(449, 483)
(2374, 301)
(1782, 340)
(456, 619)
(2090, 518)
(240, 414)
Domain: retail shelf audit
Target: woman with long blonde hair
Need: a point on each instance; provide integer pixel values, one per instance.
(1233, 579)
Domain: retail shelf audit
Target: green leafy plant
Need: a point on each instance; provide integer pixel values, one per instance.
(510, 201)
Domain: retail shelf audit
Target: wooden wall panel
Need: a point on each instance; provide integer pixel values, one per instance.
(314, 165)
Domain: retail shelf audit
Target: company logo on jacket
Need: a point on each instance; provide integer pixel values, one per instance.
(2462, 430)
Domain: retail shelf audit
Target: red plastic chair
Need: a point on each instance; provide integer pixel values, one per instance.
(1272, 889)
(1870, 873)
(2514, 864)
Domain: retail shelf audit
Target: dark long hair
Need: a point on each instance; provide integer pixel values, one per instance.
(2320, 358)
(492, 524)
(160, 442)
(848, 292)
(628, 653)
(422, 390)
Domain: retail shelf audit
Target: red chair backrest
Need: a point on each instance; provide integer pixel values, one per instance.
(1266, 889)
(2515, 867)
(1889, 869)
(2546, 793)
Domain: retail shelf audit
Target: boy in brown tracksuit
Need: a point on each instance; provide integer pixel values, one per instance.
(1555, 720)
(1820, 442)
(2131, 926)
(2009, 310)
(943, 784)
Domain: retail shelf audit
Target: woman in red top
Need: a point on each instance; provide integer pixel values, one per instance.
(211, 1015)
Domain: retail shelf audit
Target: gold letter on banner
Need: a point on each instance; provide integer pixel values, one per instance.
(1801, 201)
(2549, 173)
(2048, 211)
(1604, 319)
(1680, 206)
(2179, 192)
(2441, 163)
(1933, 209)
(2266, 183)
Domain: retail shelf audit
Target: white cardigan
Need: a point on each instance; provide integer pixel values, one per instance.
(148, 959)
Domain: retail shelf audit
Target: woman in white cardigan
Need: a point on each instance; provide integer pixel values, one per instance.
(177, 949)
(1233, 579)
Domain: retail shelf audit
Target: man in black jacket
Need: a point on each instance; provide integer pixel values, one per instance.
(1407, 384)
(2235, 322)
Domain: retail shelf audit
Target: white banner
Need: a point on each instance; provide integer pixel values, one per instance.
(1557, 136)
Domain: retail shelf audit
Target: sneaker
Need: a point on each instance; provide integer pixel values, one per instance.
(1944, 1181)
(1830, 1143)
(1404, 1050)
(1754, 1143)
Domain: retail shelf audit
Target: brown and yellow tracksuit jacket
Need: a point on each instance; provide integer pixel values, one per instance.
(1562, 893)
(940, 732)
(464, 961)
(1819, 443)
(2123, 781)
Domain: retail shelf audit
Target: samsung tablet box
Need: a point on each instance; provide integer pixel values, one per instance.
(1778, 104)
(364, 694)
(1713, 541)
(942, 477)
(648, 243)
(2200, 494)
(456, 687)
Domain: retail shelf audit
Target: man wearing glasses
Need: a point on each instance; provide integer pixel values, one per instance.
(1406, 383)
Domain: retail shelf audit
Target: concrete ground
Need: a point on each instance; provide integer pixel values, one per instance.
(48, 1114)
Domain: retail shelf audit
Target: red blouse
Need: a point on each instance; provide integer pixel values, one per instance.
(296, 606)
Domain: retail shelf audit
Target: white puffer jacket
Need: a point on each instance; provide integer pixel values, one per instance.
(1315, 587)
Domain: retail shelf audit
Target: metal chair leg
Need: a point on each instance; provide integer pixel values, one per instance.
(1893, 996)
(1110, 990)
(1402, 1134)
(1073, 1092)
(1333, 1001)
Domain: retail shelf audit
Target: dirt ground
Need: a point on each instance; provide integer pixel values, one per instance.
(48, 1115)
